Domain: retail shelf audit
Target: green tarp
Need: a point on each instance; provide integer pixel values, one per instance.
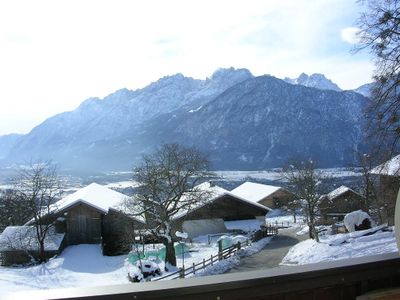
(158, 253)
(226, 242)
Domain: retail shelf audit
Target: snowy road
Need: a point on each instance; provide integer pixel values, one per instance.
(272, 254)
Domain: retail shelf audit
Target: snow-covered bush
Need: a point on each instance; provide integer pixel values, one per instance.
(148, 267)
(134, 274)
(356, 218)
(143, 269)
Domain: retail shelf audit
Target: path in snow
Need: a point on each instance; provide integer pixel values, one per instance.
(273, 252)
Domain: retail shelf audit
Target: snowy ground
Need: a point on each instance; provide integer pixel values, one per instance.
(341, 246)
(84, 265)
(202, 249)
(279, 217)
(77, 266)
(275, 174)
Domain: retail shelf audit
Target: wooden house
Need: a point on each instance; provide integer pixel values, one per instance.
(90, 215)
(341, 201)
(267, 195)
(222, 206)
(87, 214)
(388, 175)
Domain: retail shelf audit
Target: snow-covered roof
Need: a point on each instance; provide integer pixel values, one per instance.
(24, 238)
(94, 195)
(390, 168)
(254, 192)
(214, 192)
(339, 191)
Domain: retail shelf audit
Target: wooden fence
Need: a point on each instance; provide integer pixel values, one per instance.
(222, 254)
(279, 224)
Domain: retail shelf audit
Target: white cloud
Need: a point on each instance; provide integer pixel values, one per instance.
(349, 35)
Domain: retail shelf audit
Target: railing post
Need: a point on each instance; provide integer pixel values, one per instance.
(238, 246)
(194, 269)
(211, 259)
(219, 249)
(204, 263)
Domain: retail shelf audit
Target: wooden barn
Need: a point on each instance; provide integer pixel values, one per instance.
(267, 195)
(341, 201)
(388, 177)
(210, 217)
(90, 215)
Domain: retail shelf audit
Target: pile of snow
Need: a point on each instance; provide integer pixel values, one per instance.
(143, 269)
(182, 235)
(303, 230)
(341, 246)
(356, 218)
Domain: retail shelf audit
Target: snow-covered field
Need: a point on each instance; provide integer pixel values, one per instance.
(275, 174)
(279, 218)
(84, 265)
(77, 266)
(341, 246)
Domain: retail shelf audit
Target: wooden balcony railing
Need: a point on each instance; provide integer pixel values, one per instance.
(344, 279)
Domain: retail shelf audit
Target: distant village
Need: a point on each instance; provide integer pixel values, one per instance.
(96, 214)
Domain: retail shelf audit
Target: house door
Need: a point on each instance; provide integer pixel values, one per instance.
(82, 229)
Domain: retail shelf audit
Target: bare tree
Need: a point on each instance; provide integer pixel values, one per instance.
(168, 182)
(306, 182)
(292, 206)
(380, 33)
(369, 186)
(13, 209)
(39, 187)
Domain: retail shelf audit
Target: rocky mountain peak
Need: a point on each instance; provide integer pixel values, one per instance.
(315, 80)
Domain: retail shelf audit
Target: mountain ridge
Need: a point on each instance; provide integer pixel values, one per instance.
(119, 128)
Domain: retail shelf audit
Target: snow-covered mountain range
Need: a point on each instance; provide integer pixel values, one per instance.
(241, 121)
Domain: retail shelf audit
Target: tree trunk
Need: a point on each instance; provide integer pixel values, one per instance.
(313, 231)
(170, 253)
(42, 256)
(310, 230)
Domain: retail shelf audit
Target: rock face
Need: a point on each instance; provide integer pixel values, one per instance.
(318, 81)
(262, 122)
(241, 121)
(365, 89)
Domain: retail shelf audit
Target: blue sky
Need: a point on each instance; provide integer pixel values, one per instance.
(55, 54)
